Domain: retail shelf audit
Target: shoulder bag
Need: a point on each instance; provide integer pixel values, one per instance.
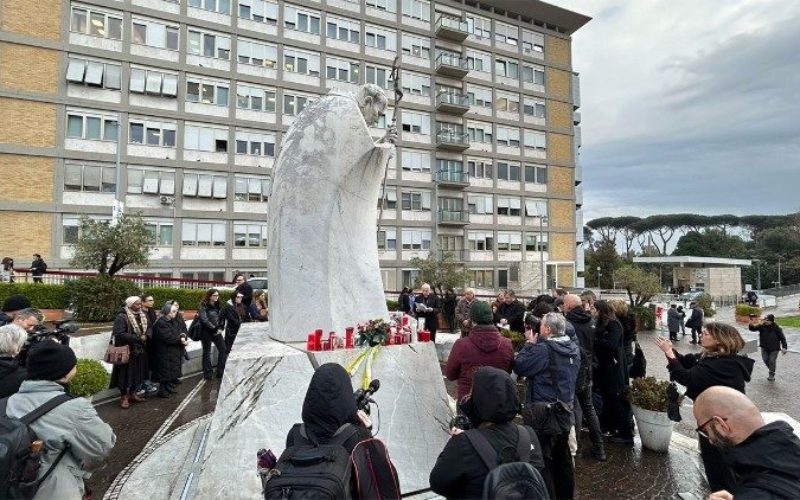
(117, 355)
(549, 418)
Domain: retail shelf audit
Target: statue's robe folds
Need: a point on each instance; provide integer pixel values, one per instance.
(323, 264)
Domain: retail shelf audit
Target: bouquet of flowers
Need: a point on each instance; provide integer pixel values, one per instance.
(373, 332)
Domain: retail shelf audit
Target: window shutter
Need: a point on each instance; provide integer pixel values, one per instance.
(75, 70)
(94, 73)
(191, 138)
(168, 183)
(137, 80)
(170, 87)
(153, 82)
(220, 187)
(156, 35)
(218, 234)
(91, 178)
(190, 184)
(514, 203)
(426, 201)
(113, 77)
(150, 185)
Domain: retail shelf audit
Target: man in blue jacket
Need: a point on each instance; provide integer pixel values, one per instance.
(552, 386)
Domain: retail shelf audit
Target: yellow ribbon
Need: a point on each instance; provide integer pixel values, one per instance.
(353, 366)
(368, 370)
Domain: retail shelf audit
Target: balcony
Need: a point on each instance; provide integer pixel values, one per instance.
(461, 255)
(452, 102)
(452, 28)
(453, 217)
(452, 65)
(452, 140)
(452, 178)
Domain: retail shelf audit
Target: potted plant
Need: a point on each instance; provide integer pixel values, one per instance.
(743, 312)
(90, 378)
(517, 339)
(648, 396)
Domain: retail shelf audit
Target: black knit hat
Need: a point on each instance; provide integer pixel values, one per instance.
(16, 303)
(50, 360)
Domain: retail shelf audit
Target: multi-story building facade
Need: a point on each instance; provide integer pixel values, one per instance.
(177, 108)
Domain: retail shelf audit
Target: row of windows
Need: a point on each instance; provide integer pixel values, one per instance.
(420, 201)
(420, 239)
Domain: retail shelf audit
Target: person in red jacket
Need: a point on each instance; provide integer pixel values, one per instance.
(483, 347)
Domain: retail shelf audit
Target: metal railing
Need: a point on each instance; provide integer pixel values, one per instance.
(60, 277)
(782, 291)
(452, 23)
(452, 176)
(453, 216)
(454, 60)
(452, 137)
(453, 98)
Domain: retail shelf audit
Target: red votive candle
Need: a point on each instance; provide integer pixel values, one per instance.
(332, 340)
(318, 339)
(405, 320)
(348, 337)
(311, 343)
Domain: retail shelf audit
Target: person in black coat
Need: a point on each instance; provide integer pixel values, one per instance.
(718, 364)
(611, 374)
(402, 301)
(148, 307)
(169, 341)
(234, 314)
(243, 287)
(12, 339)
(695, 321)
(212, 324)
(512, 312)
(449, 309)
(771, 339)
(459, 471)
(131, 329)
(38, 268)
(427, 305)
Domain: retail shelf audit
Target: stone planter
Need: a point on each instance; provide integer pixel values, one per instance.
(655, 429)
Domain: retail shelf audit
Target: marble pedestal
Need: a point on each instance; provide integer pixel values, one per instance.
(261, 397)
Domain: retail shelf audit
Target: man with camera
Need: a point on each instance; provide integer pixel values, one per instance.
(771, 339)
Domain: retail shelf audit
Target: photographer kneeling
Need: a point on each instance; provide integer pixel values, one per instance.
(460, 470)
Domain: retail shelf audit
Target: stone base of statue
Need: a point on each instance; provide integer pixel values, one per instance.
(261, 397)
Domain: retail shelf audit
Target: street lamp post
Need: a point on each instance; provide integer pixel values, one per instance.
(598, 278)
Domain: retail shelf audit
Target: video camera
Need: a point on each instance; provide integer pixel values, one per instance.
(60, 333)
(364, 396)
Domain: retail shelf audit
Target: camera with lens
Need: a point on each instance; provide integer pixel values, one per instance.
(461, 422)
(60, 333)
(364, 396)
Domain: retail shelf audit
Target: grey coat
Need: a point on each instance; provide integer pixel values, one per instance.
(463, 309)
(76, 422)
(673, 320)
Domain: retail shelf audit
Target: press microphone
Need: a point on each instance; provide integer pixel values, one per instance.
(364, 396)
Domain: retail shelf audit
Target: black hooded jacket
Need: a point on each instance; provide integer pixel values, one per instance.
(767, 464)
(459, 471)
(11, 376)
(584, 330)
(329, 404)
(697, 372)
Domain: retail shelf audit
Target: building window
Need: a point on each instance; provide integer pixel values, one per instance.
(416, 201)
(154, 34)
(534, 242)
(479, 61)
(416, 239)
(481, 241)
(255, 98)
(480, 132)
(480, 204)
(152, 133)
(70, 226)
(148, 81)
(257, 53)
(252, 189)
(293, 105)
(535, 174)
(416, 123)
(535, 208)
(509, 206)
(206, 91)
(481, 27)
(509, 241)
(416, 84)
(532, 42)
(506, 68)
(416, 161)
(384, 5)
(151, 181)
(387, 239)
(416, 46)
(481, 278)
(480, 169)
(209, 45)
(379, 76)
(208, 139)
(449, 166)
(417, 9)
(388, 200)
(197, 185)
(219, 6)
(507, 101)
(249, 235)
(255, 143)
(379, 38)
(533, 74)
(90, 178)
(160, 233)
(534, 107)
(301, 62)
(94, 73)
(341, 70)
(203, 234)
(507, 34)
(508, 171)
(346, 30)
(479, 96)
(535, 140)
(508, 137)
(306, 21)
(94, 127)
(259, 11)
(91, 21)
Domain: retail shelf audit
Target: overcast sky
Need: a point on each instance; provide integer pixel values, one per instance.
(689, 106)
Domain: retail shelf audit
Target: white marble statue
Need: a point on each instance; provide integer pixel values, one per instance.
(322, 259)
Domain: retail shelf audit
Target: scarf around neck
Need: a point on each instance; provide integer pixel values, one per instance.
(139, 327)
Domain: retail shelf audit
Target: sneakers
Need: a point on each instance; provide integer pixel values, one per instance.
(771, 377)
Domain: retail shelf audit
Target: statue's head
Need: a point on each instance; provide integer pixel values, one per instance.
(372, 102)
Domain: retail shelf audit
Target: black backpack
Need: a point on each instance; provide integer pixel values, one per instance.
(309, 470)
(19, 468)
(375, 475)
(510, 480)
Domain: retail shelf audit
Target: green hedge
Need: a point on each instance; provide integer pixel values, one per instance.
(99, 298)
(188, 298)
(645, 318)
(392, 305)
(706, 302)
(41, 296)
(746, 310)
(517, 339)
(90, 379)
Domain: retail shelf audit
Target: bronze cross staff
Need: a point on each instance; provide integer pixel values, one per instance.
(398, 96)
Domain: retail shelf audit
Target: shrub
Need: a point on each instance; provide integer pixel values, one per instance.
(517, 339)
(392, 305)
(41, 296)
(99, 298)
(650, 393)
(188, 298)
(645, 318)
(706, 303)
(746, 310)
(90, 379)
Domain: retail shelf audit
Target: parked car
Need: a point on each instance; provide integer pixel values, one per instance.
(258, 282)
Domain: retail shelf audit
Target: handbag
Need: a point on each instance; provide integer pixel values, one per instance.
(549, 418)
(117, 355)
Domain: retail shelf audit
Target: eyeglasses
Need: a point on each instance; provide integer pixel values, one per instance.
(701, 428)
